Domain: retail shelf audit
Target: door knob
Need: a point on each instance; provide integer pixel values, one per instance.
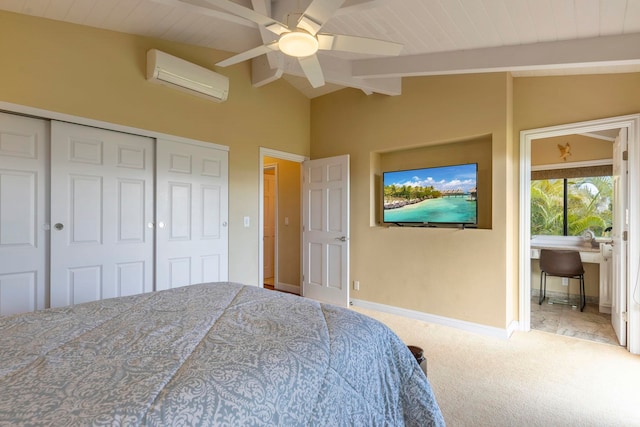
(59, 226)
(342, 238)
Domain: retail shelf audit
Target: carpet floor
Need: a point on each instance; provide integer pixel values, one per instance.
(532, 379)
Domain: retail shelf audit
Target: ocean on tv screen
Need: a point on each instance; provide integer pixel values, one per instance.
(445, 194)
(441, 210)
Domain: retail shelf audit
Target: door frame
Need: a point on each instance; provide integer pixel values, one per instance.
(632, 124)
(274, 167)
(282, 155)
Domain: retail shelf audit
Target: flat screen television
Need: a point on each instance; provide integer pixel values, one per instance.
(435, 195)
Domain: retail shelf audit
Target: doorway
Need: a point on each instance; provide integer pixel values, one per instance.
(627, 299)
(269, 239)
(279, 221)
(572, 193)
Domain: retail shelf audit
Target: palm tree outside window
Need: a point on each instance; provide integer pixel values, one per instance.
(568, 206)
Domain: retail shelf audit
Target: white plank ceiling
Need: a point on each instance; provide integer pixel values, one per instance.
(526, 37)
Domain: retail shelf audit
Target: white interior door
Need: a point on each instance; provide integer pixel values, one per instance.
(192, 231)
(269, 224)
(325, 236)
(24, 146)
(101, 205)
(619, 230)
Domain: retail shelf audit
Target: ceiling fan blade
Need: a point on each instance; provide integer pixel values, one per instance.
(355, 44)
(251, 53)
(246, 13)
(311, 68)
(317, 14)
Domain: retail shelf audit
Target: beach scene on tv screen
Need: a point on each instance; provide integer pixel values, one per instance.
(432, 195)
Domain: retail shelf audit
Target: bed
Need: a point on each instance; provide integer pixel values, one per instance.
(209, 354)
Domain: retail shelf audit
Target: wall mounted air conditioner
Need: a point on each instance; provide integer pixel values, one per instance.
(180, 74)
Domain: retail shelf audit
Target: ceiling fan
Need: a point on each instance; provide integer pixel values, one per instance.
(301, 38)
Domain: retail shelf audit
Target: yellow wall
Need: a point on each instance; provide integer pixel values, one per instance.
(582, 148)
(289, 203)
(100, 75)
(468, 275)
(477, 150)
(473, 274)
(548, 101)
(448, 272)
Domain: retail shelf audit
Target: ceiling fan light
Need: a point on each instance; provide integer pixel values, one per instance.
(298, 44)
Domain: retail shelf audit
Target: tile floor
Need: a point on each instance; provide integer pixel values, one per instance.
(563, 319)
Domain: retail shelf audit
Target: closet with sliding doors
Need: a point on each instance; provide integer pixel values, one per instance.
(89, 213)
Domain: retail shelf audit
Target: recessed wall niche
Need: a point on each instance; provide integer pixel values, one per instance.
(476, 150)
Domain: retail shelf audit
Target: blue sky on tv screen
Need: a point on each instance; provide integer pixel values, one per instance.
(441, 178)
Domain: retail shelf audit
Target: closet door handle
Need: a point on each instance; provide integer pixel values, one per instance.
(59, 226)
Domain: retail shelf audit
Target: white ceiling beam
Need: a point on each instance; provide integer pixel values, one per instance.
(338, 71)
(282, 7)
(391, 86)
(352, 6)
(264, 7)
(202, 9)
(597, 51)
(262, 73)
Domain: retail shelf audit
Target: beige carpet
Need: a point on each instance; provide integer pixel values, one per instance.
(533, 379)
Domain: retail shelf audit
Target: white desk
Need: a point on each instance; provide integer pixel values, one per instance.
(600, 255)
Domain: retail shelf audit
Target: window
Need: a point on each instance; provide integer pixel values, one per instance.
(569, 206)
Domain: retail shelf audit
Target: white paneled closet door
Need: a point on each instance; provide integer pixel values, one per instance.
(191, 213)
(24, 158)
(102, 214)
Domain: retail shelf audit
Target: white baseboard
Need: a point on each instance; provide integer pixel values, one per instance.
(440, 320)
(513, 326)
(294, 289)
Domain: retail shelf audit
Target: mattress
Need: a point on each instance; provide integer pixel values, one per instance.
(208, 354)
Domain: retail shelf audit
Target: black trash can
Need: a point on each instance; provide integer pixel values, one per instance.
(418, 353)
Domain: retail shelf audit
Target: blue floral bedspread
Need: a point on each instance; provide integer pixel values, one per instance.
(210, 354)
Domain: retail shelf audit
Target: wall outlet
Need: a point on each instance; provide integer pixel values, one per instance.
(356, 285)
(565, 281)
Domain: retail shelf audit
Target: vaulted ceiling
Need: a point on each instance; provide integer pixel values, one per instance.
(526, 37)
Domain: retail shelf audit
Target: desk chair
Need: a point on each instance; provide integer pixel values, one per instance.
(561, 264)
